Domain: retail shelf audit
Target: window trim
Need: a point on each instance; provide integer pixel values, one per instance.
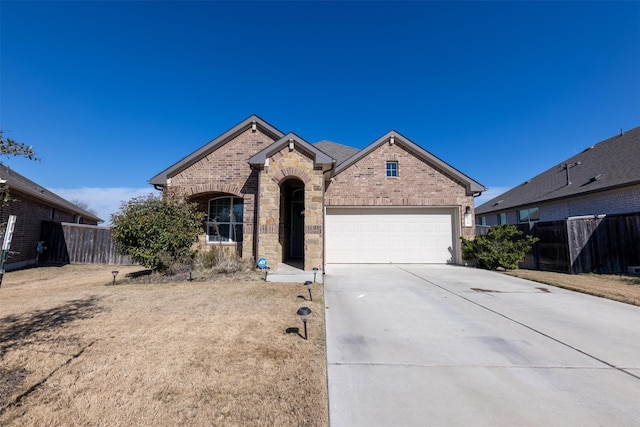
(234, 226)
(535, 210)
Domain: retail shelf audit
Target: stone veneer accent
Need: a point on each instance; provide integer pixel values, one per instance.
(283, 165)
(418, 183)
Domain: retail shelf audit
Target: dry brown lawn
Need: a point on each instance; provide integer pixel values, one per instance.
(75, 350)
(616, 287)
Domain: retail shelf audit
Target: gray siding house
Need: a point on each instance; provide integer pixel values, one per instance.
(603, 179)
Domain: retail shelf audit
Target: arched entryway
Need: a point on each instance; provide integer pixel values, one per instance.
(292, 221)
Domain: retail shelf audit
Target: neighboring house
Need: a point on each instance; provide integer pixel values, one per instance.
(33, 204)
(277, 196)
(604, 179)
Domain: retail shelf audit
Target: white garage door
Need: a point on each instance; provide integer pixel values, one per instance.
(389, 235)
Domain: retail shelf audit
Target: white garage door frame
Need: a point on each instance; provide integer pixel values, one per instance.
(385, 234)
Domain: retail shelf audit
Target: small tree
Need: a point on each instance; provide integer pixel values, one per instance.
(9, 147)
(156, 232)
(501, 247)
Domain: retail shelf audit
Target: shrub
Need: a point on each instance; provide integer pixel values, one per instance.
(157, 232)
(501, 247)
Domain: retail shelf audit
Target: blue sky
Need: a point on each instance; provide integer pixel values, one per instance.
(111, 93)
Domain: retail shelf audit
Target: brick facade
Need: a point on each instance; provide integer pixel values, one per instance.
(418, 184)
(275, 175)
(225, 171)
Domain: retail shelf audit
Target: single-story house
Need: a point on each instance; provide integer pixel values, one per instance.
(276, 196)
(32, 204)
(604, 179)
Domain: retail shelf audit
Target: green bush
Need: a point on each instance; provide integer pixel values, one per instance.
(157, 232)
(501, 247)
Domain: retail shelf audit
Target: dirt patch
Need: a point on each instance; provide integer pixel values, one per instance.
(80, 351)
(621, 288)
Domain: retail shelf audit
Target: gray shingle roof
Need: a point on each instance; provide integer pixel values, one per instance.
(609, 164)
(337, 151)
(20, 184)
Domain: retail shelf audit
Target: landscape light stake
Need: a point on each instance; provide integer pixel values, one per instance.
(315, 271)
(304, 313)
(114, 273)
(307, 285)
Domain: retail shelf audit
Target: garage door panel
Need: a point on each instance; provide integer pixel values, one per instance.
(389, 235)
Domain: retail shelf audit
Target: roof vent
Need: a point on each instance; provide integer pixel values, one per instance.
(596, 178)
(587, 149)
(498, 202)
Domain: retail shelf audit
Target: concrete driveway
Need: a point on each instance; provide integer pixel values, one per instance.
(423, 345)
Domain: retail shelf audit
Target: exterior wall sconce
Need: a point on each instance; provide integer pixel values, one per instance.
(307, 285)
(468, 220)
(291, 145)
(304, 313)
(254, 126)
(392, 140)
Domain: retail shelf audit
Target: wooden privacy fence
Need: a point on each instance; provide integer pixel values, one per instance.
(78, 244)
(602, 244)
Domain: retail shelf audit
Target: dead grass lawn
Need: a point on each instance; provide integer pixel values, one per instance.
(75, 350)
(616, 287)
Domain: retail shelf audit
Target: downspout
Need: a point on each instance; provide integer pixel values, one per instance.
(324, 219)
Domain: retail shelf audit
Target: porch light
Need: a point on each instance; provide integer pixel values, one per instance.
(304, 313)
(114, 273)
(307, 285)
(468, 210)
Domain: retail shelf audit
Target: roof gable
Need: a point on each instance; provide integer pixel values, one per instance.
(607, 165)
(393, 137)
(213, 145)
(319, 157)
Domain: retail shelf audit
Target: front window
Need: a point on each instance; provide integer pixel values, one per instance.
(502, 218)
(529, 215)
(392, 169)
(225, 220)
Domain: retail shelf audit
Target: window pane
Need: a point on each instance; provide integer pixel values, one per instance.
(238, 231)
(523, 215)
(534, 214)
(392, 168)
(212, 235)
(238, 211)
(219, 210)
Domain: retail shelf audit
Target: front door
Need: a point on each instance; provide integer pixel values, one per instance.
(297, 229)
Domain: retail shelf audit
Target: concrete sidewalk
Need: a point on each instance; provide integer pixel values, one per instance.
(419, 345)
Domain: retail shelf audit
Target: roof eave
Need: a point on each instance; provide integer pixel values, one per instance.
(320, 158)
(472, 187)
(161, 178)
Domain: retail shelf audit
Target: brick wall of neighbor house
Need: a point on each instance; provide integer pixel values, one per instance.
(283, 165)
(418, 184)
(30, 213)
(226, 171)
